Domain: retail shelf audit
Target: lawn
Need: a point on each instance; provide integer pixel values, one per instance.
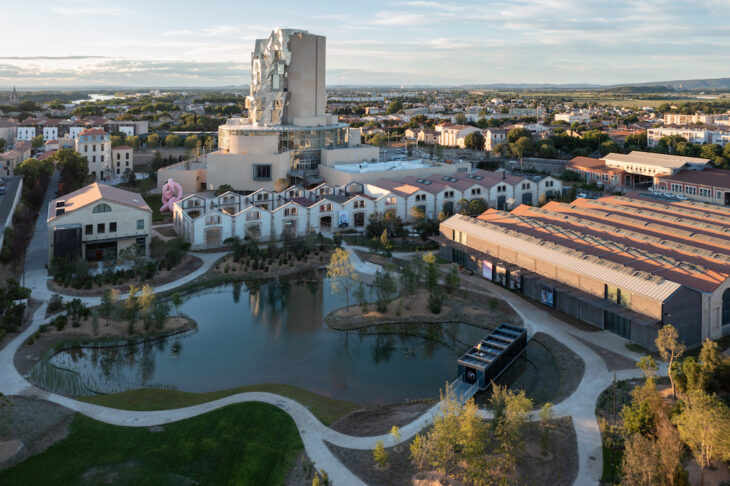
(154, 201)
(250, 443)
(327, 410)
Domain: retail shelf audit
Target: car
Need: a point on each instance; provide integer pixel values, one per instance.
(681, 197)
(2, 190)
(582, 195)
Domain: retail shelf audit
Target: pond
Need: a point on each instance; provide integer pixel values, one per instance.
(274, 332)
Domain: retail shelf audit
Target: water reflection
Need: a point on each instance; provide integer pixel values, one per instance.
(273, 332)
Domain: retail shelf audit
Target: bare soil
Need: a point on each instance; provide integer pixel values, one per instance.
(37, 424)
(302, 472)
(228, 267)
(613, 361)
(457, 308)
(559, 466)
(29, 354)
(719, 473)
(188, 265)
(380, 419)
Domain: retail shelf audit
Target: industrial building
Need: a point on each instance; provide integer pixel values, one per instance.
(627, 265)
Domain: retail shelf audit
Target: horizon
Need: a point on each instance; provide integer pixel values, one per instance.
(415, 43)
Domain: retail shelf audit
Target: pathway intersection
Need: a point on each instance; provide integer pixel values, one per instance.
(580, 405)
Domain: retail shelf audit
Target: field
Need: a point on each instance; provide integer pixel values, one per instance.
(251, 443)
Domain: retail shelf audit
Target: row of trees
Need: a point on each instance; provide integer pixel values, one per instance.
(462, 446)
(140, 304)
(654, 432)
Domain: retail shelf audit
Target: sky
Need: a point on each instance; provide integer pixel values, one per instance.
(182, 43)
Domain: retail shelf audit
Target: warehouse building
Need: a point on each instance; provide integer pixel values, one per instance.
(621, 264)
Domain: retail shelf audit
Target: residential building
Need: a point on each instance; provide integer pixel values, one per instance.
(694, 136)
(493, 137)
(627, 265)
(95, 144)
(573, 117)
(8, 130)
(681, 119)
(9, 161)
(708, 185)
(122, 160)
(453, 135)
(97, 223)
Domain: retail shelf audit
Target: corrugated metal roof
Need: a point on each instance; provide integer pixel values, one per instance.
(575, 260)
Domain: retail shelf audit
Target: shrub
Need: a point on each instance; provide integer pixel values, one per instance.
(60, 322)
(55, 304)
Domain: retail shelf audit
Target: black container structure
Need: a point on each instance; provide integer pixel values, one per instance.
(494, 354)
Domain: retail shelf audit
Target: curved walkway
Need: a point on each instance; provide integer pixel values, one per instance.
(580, 405)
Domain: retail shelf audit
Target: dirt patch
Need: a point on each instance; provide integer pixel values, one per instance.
(613, 361)
(29, 354)
(534, 469)
(37, 424)
(187, 266)
(302, 472)
(226, 266)
(414, 309)
(165, 231)
(718, 474)
(379, 419)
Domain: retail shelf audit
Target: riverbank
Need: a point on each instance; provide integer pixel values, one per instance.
(40, 343)
(414, 309)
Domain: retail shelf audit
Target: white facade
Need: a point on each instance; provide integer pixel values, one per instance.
(50, 133)
(25, 133)
(95, 144)
(694, 136)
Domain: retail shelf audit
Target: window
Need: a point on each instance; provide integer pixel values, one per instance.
(127, 156)
(290, 211)
(101, 147)
(449, 194)
(117, 166)
(100, 228)
(676, 188)
(325, 208)
(262, 172)
(102, 208)
(251, 215)
(359, 204)
(93, 148)
(478, 190)
(113, 227)
(690, 190)
(704, 192)
(525, 185)
(420, 197)
(390, 201)
(140, 224)
(549, 183)
(93, 158)
(458, 237)
(118, 154)
(501, 188)
(89, 230)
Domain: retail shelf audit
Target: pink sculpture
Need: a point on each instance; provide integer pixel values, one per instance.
(171, 193)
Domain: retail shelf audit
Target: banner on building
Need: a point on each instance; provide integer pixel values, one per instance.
(547, 296)
(344, 219)
(487, 269)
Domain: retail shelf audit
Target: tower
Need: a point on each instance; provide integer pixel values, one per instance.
(288, 79)
(14, 100)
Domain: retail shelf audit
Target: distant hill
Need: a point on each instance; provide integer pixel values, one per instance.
(720, 84)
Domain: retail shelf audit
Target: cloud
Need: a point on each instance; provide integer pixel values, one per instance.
(51, 58)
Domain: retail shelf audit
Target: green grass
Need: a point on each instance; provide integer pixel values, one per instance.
(611, 465)
(250, 443)
(327, 410)
(154, 201)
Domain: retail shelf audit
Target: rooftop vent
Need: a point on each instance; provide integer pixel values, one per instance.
(60, 211)
(60, 204)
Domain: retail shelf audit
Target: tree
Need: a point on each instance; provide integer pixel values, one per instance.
(380, 455)
(669, 349)
(710, 358)
(703, 425)
(146, 303)
(640, 465)
(3, 144)
(394, 107)
(107, 304)
(452, 280)
(153, 140)
(431, 272)
(361, 296)
(608, 147)
(37, 141)
(177, 301)
(76, 310)
(341, 273)
(546, 416)
(517, 133)
(474, 141)
(522, 147)
(385, 289)
(172, 141)
(509, 429)
(131, 303)
(223, 188)
(74, 169)
(191, 141)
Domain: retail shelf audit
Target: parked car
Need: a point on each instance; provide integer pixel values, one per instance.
(582, 195)
(681, 197)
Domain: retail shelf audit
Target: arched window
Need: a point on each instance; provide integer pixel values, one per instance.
(726, 307)
(102, 208)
